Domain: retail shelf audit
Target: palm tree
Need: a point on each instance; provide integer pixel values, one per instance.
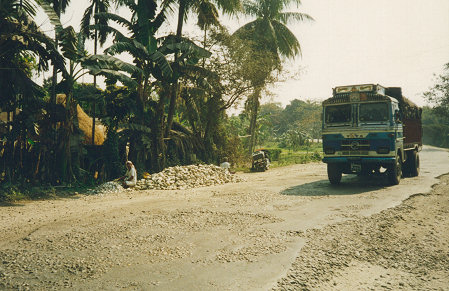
(96, 6)
(268, 35)
(207, 15)
(100, 32)
(59, 6)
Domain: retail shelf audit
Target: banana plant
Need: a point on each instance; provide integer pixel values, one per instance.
(150, 67)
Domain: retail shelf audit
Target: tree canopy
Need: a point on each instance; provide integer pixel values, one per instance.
(167, 106)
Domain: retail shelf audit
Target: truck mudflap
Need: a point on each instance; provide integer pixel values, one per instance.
(361, 160)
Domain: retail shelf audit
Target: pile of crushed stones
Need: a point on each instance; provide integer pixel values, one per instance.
(176, 178)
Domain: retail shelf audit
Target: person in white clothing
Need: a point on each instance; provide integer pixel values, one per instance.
(130, 178)
(226, 165)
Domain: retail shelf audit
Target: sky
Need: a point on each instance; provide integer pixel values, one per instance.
(400, 43)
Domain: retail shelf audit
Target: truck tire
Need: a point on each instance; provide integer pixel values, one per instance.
(334, 173)
(395, 172)
(414, 164)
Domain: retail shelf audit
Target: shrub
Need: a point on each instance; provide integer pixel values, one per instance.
(275, 154)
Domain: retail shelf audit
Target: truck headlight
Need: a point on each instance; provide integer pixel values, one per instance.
(383, 150)
(329, 151)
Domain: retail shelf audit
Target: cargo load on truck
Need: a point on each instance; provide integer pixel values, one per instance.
(369, 129)
(411, 117)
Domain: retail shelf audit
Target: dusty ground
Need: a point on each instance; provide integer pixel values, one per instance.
(287, 228)
(405, 247)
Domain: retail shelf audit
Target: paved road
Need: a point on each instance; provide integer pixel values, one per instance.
(235, 236)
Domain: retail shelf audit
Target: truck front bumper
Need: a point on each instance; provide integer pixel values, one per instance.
(360, 160)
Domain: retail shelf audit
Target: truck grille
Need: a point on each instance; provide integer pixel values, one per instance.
(355, 147)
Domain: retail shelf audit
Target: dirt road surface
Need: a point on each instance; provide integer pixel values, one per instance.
(285, 229)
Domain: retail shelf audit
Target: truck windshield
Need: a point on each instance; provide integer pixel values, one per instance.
(373, 112)
(338, 113)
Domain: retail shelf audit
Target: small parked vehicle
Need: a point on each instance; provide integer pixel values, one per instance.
(261, 160)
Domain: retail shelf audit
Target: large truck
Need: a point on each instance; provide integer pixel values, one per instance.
(371, 130)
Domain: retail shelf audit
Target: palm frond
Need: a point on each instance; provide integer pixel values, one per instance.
(131, 4)
(103, 6)
(251, 8)
(12, 9)
(207, 14)
(289, 17)
(118, 35)
(52, 16)
(85, 21)
(247, 30)
(287, 43)
(230, 7)
(116, 18)
(160, 18)
(25, 35)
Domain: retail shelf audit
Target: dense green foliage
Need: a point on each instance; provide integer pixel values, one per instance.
(290, 127)
(436, 118)
(291, 134)
(270, 40)
(435, 128)
(438, 95)
(166, 107)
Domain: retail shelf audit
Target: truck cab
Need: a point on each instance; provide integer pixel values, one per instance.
(363, 133)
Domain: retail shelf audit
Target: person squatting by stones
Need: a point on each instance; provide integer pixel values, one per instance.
(130, 178)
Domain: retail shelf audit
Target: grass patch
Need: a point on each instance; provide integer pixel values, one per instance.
(299, 157)
(303, 155)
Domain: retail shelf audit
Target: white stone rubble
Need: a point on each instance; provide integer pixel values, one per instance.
(107, 188)
(185, 177)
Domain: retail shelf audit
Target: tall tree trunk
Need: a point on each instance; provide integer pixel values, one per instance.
(204, 44)
(55, 70)
(210, 128)
(70, 158)
(158, 144)
(95, 82)
(171, 107)
(254, 111)
(54, 81)
(53, 101)
(174, 91)
(69, 162)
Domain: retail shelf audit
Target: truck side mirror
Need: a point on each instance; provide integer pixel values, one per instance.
(397, 116)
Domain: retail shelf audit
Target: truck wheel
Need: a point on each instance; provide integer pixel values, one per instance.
(414, 164)
(406, 168)
(395, 172)
(334, 173)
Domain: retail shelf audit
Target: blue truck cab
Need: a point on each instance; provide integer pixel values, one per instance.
(369, 129)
